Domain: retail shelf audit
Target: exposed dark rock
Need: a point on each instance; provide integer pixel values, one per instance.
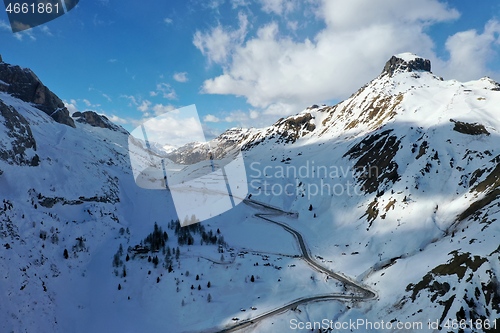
(395, 63)
(468, 128)
(375, 163)
(97, 120)
(21, 140)
(49, 202)
(293, 128)
(25, 85)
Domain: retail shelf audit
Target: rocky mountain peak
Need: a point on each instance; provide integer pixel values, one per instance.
(406, 62)
(22, 83)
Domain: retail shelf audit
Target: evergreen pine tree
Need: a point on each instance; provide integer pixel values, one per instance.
(65, 254)
(252, 279)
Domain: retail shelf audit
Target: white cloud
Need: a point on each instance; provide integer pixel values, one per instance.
(237, 116)
(218, 44)
(278, 7)
(4, 26)
(45, 29)
(239, 3)
(254, 114)
(173, 130)
(470, 53)
(214, 4)
(117, 120)
(144, 106)
(25, 33)
(210, 118)
(252, 118)
(245, 119)
(165, 90)
(132, 99)
(360, 14)
(89, 104)
(292, 25)
(181, 77)
(71, 106)
(107, 97)
(159, 109)
(168, 20)
(281, 75)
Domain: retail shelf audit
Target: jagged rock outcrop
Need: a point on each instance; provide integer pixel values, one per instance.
(22, 83)
(96, 120)
(406, 63)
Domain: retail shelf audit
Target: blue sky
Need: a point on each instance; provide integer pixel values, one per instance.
(244, 63)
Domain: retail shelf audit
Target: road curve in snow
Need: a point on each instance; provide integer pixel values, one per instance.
(363, 292)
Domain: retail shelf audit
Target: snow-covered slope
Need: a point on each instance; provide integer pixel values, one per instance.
(403, 181)
(395, 187)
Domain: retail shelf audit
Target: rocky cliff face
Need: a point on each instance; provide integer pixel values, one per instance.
(22, 83)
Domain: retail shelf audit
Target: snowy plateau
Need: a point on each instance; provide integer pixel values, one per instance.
(378, 214)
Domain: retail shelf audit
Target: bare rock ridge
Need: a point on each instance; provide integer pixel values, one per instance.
(95, 120)
(406, 63)
(25, 85)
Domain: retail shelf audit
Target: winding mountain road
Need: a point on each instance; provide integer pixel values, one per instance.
(363, 293)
